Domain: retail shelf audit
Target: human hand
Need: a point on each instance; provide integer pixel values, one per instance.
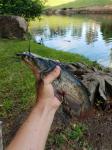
(44, 90)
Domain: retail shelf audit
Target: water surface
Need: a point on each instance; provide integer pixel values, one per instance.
(90, 36)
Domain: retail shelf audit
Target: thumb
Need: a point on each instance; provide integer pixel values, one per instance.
(52, 75)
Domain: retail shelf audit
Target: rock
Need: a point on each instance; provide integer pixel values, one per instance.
(13, 27)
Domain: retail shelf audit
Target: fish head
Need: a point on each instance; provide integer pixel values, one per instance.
(43, 64)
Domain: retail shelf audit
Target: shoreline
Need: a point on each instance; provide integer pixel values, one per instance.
(83, 10)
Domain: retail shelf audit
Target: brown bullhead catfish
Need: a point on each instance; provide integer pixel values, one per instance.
(71, 92)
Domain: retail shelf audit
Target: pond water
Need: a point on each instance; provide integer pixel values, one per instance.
(90, 36)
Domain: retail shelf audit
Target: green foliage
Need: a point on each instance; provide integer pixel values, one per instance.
(106, 31)
(59, 139)
(25, 8)
(77, 132)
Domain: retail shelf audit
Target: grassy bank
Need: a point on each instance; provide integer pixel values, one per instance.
(77, 3)
(17, 83)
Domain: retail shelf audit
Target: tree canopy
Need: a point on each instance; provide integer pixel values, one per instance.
(25, 8)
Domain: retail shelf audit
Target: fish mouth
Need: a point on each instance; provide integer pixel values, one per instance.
(26, 55)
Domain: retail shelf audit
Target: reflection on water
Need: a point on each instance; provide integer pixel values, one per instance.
(106, 30)
(90, 36)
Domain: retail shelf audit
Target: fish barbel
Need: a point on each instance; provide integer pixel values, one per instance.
(69, 89)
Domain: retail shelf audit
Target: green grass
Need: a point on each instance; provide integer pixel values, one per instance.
(77, 3)
(7, 105)
(57, 2)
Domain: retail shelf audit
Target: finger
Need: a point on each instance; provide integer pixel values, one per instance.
(33, 68)
(52, 75)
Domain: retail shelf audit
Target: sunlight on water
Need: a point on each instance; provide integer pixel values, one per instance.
(90, 36)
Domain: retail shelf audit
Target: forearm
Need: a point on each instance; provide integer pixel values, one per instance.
(33, 134)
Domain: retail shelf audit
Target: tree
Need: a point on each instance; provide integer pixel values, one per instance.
(25, 8)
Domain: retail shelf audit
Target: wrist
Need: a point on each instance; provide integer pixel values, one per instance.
(45, 107)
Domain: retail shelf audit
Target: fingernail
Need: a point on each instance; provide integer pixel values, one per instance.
(57, 67)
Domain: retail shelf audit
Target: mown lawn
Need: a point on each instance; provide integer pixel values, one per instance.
(77, 3)
(17, 82)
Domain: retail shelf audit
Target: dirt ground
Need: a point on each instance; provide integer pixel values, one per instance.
(98, 135)
(100, 130)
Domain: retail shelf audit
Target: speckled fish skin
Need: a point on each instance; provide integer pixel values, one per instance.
(67, 87)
